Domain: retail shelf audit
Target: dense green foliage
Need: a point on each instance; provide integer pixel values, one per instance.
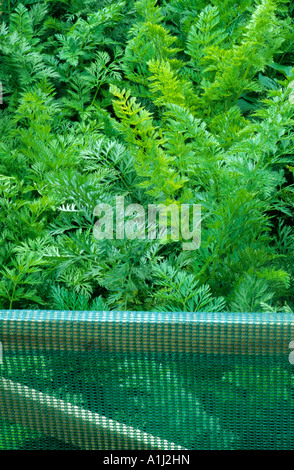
(184, 101)
(242, 403)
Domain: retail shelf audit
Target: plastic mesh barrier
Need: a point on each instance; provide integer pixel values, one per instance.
(133, 380)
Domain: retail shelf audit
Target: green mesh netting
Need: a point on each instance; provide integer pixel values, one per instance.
(120, 380)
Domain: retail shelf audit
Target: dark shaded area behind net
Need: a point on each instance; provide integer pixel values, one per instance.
(197, 401)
